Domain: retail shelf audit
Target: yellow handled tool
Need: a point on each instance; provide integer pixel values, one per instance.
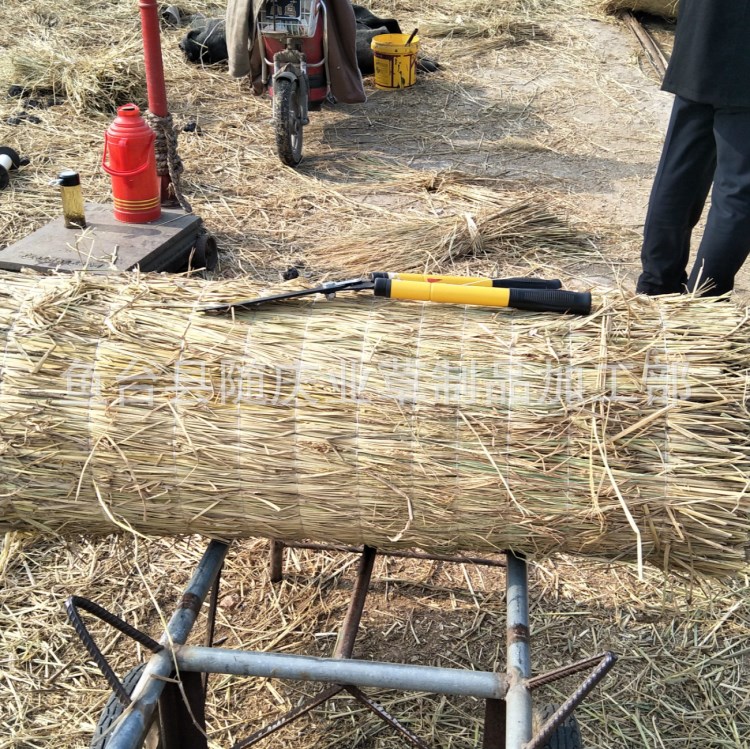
(502, 283)
(539, 300)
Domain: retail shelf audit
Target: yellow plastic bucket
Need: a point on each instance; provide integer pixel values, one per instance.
(395, 60)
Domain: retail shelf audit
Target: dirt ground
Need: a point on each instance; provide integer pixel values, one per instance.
(569, 117)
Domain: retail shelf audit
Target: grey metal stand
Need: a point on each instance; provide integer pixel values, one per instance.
(181, 701)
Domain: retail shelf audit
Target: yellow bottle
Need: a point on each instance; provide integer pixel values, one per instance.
(72, 199)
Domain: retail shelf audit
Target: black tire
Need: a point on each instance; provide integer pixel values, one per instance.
(113, 709)
(206, 251)
(287, 120)
(566, 736)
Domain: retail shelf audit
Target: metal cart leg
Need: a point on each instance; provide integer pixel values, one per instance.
(132, 729)
(518, 699)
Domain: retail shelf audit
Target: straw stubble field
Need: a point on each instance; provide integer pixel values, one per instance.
(545, 124)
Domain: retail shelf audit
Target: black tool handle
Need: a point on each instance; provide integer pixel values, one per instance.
(543, 300)
(527, 283)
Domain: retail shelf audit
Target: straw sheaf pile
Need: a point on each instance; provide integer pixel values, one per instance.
(97, 80)
(621, 435)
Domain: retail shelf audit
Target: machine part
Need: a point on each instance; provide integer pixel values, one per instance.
(344, 648)
(133, 727)
(130, 161)
(276, 560)
(560, 673)
(213, 603)
(518, 658)
(288, 119)
(284, 720)
(155, 86)
(181, 701)
(165, 245)
(494, 724)
(567, 735)
(205, 252)
(382, 675)
(112, 711)
(182, 713)
(345, 642)
(9, 160)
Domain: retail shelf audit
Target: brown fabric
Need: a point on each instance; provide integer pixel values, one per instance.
(240, 29)
(245, 52)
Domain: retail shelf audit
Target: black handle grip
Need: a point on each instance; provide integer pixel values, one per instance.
(540, 300)
(526, 283)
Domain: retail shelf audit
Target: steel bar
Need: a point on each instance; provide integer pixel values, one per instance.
(456, 559)
(213, 603)
(385, 716)
(408, 678)
(560, 673)
(289, 717)
(155, 86)
(72, 605)
(131, 730)
(494, 724)
(344, 644)
(518, 698)
(182, 714)
(572, 702)
(348, 634)
(276, 560)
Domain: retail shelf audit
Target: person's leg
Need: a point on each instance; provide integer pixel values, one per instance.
(678, 195)
(726, 239)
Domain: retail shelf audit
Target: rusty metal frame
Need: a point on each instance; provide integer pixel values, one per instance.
(181, 701)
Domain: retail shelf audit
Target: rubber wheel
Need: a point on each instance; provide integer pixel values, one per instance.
(287, 119)
(566, 736)
(206, 251)
(113, 709)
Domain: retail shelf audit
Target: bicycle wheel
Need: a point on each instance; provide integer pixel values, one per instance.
(287, 119)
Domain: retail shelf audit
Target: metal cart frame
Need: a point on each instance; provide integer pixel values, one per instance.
(179, 703)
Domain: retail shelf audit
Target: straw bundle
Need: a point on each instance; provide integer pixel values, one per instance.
(663, 8)
(501, 29)
(622, 435)
(493, 224)
(91, 80)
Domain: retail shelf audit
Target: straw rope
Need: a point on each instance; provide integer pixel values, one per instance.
(168, 160)
(123, 406)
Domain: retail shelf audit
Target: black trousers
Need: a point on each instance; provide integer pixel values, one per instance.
(704, 144)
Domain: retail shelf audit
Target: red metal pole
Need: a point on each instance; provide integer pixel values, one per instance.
(157, 90)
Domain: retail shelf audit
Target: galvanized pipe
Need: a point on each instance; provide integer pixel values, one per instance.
(407, 678)
(131, 731)
(518, 698)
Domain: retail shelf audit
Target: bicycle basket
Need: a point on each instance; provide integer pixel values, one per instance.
(288, 18)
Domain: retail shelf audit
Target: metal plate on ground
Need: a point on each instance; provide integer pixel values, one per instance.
(105, 244)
